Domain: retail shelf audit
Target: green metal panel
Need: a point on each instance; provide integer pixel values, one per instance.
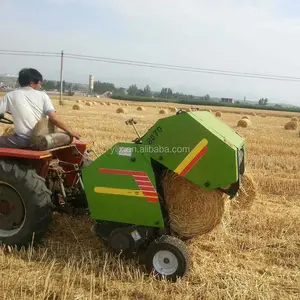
(115, 207)
(218, 127)
(219, 165)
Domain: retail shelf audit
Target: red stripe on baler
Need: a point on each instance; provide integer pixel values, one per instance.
(141, 179)
(148, 193)
(194, 161)
(143, 183)
(154, 200)
(147, 188)
(122, 172)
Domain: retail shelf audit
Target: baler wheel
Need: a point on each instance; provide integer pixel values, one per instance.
(25, 205)
(167, 257)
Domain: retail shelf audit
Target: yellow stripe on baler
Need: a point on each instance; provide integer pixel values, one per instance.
(123, 192)
(191, 156)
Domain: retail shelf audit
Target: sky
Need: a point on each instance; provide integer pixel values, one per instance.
(249, 36)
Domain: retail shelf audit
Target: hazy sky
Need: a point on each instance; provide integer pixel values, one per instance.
(258, 36)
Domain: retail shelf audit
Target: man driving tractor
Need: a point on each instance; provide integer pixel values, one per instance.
(28, 105)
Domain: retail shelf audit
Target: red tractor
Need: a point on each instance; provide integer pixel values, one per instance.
(34, 182)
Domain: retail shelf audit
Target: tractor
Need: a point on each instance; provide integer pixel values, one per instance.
(121, 189)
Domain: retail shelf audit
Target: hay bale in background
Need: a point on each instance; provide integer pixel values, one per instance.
(244, 123)
(218, 114)
(173, 109)
(162, 112)
(88, 103)
(246, 117)
(188, 109)
(140, 108)
(253, 114)
(291, 125)
(120, 110)
(294, 119)
(246, 195)
(76, 107)
(78, 101)
(192, 210)
(263, 116)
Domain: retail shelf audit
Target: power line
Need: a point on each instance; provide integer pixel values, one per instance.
(174, 66)
(151, 65)
(187, 69)
(29, 52)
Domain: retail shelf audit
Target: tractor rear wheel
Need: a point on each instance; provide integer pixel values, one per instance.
(167, 257)
(25, 205)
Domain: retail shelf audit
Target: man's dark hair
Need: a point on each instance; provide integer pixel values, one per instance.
(28, 75)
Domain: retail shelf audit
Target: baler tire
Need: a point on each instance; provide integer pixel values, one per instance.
(176, 248)
(36, 202)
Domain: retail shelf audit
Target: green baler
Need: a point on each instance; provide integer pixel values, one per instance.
(124, 192)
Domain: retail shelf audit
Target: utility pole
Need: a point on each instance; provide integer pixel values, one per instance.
(61, 76)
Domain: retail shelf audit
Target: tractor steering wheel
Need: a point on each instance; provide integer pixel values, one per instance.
(5, 120)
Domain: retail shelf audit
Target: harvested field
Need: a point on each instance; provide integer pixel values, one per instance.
(252, 254)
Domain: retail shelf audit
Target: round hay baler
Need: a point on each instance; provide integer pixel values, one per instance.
(164, 197)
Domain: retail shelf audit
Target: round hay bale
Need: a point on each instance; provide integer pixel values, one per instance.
(140, 108)
(192, 210)
(108, 104)
(246, 117)
(76, 107)
(162, 112)
(291, 125)
(263, 116)
(253, 114)
(244, 123)
(295, 119)
(188, 109)
(218, 114)
(120, 110)
(78, 101)
(88, 103)
(173, 109)
(246, 195)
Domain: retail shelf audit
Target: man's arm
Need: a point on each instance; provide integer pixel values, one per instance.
(49, 110)
(56, 122)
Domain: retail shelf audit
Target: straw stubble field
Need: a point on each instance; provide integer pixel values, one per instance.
(252, 255)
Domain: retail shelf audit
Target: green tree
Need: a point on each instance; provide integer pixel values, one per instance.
(147, 91)
(102, 87)
(132, 90)
(120, 91)
(49, 85)
(263, 101)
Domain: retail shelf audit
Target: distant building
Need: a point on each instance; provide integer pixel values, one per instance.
(227, 100)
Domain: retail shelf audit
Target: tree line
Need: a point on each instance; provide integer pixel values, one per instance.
(132, 91)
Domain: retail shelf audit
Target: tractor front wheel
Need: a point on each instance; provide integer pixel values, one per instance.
(25, 205)
(167, 257)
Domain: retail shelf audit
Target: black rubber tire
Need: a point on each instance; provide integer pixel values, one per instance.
(176, 247)
(36, 199)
